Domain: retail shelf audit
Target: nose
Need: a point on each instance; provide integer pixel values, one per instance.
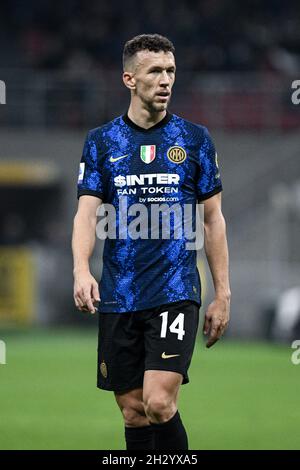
(165, 79)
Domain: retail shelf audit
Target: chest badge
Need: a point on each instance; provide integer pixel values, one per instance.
(176, 154)
(148, 153)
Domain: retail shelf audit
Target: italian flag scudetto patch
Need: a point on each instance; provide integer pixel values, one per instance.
(148, 153)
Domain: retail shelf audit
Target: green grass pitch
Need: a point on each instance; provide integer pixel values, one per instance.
(241, 395)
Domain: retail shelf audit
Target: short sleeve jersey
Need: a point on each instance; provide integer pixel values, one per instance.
(173, 162)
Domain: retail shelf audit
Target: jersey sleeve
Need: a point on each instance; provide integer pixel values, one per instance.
(90, 178)
(209, 180)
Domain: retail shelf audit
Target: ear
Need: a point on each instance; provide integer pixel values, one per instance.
(129, 80)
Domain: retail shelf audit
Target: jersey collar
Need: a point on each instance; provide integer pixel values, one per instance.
(159, 124)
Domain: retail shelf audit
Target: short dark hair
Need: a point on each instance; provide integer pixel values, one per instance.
(150, 42)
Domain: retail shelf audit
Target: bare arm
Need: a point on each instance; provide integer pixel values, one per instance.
(216, 249)
(86, 291)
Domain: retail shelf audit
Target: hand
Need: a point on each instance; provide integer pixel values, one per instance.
(86, 292)
(216, 320)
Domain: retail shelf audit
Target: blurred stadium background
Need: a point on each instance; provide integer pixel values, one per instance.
(61, 62)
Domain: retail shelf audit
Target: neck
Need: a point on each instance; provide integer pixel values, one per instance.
(143, 117)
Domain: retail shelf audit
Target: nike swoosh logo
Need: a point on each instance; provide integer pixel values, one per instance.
(168, 356)
(112, 159)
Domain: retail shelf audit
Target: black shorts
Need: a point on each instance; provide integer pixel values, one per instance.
(159, 338)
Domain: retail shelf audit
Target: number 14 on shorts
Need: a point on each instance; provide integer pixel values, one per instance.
(177, 326)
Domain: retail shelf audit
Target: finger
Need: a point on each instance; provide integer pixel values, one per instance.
(206, 325)
(80, 306)
(216, 333)
(88, 298)
(88, 303)
(213, 337)
(212, 341)
(84, 309)
(95, 292)
(222, 330)
(79, 300)
(79, 295)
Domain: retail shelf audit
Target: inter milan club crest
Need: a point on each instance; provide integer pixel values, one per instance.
(148, 153)
(176, 154)
(103, 369)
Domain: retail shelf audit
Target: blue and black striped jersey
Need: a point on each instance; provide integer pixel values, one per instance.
(172, 163)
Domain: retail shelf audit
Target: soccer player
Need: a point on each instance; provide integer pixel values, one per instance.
(150, 290)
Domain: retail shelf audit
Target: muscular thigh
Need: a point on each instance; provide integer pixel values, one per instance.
(132, 398)
(121, 353)
(163, 384)
(170, 335)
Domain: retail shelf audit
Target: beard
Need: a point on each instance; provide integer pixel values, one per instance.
(154, 105)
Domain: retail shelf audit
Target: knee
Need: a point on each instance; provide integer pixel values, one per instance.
(160, 408)
(134, 414)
